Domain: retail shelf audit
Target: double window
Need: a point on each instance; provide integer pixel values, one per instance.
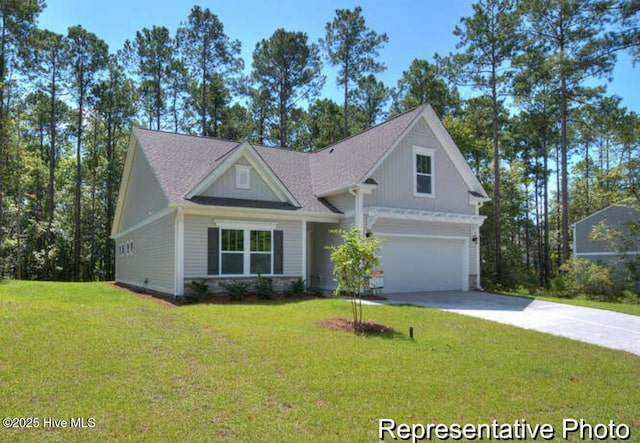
(244, 251)
(423, 177)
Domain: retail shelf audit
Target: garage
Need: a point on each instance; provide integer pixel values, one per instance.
(413, 264)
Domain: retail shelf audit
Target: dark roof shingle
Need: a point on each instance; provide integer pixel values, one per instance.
(181, 162)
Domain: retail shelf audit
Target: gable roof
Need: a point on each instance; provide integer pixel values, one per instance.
(249, 153)
(629, 207)
(347, 162)
(355, 159)
(185, 165)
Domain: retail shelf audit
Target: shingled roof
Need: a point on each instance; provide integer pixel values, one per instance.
(181, 162)
(348, 162)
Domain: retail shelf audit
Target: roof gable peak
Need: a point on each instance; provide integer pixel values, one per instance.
(246, 151)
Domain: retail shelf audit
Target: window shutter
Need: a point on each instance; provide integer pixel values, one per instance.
(278, 252)
(213, 249)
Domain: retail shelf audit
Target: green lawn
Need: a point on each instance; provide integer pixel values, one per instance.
(148, 371)
(625, 308)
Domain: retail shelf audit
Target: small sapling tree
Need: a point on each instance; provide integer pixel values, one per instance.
(352, 260)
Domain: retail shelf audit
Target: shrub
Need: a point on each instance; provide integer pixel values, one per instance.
(581, 276)
(297, 287)
(630, 298)
(560, 287)
(236, 289)
(198, 288)
(264, 287)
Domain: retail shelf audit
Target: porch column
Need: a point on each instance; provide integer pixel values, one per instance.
(359, 218)
(359, 191)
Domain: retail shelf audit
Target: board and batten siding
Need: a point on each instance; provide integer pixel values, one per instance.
(396, 182)
(152, 258)
(225, 186)
(144, 196)
(195, 244)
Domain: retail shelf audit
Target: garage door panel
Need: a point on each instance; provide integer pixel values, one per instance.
(413, 264)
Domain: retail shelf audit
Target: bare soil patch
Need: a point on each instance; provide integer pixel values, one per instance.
(366, 327)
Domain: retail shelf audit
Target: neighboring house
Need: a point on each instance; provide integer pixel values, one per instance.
(200, 208)
(614, 248)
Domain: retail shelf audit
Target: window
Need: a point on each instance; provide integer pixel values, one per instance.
(423, 165)
(232, 251)
(244, 248)
(243, 176)
(260, 252)
(246, 251)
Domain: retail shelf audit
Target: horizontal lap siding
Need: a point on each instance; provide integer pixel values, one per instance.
(195, 244)
(153, 256)
(292, 231)
(143, 196)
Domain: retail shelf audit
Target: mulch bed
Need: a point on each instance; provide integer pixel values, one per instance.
(215, 299)
(366, 327)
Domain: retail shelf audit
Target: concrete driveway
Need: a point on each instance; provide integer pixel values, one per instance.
(604, 328)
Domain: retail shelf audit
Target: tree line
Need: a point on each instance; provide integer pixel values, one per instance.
(538, 127)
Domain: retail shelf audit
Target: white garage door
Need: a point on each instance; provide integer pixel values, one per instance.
(413, 264)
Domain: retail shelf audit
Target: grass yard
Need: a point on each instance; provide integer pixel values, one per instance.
(143, 370)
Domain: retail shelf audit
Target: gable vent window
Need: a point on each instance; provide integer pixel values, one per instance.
(243, 176)
(423, 175)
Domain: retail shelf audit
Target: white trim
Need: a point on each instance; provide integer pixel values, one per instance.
(124, 184)
(375, 212)
(246, 228)
(179, 253)
(243, 224)
(271, 214)
(455, 155)
(424, 152)
(441, 237)
(580, 254)
(448, 145)
(465, 249)
(222, 277)
(147, 221)
(248, 152)
(243, 176)
(303, 258)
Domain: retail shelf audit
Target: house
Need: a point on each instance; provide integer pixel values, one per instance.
(194, 208)
(619, 245)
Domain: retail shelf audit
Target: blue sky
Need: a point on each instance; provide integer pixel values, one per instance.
(416, 28)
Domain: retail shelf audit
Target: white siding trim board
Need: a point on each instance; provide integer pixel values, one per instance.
(155, 217)
(622, 253)
(374, 213)
(251, 213)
